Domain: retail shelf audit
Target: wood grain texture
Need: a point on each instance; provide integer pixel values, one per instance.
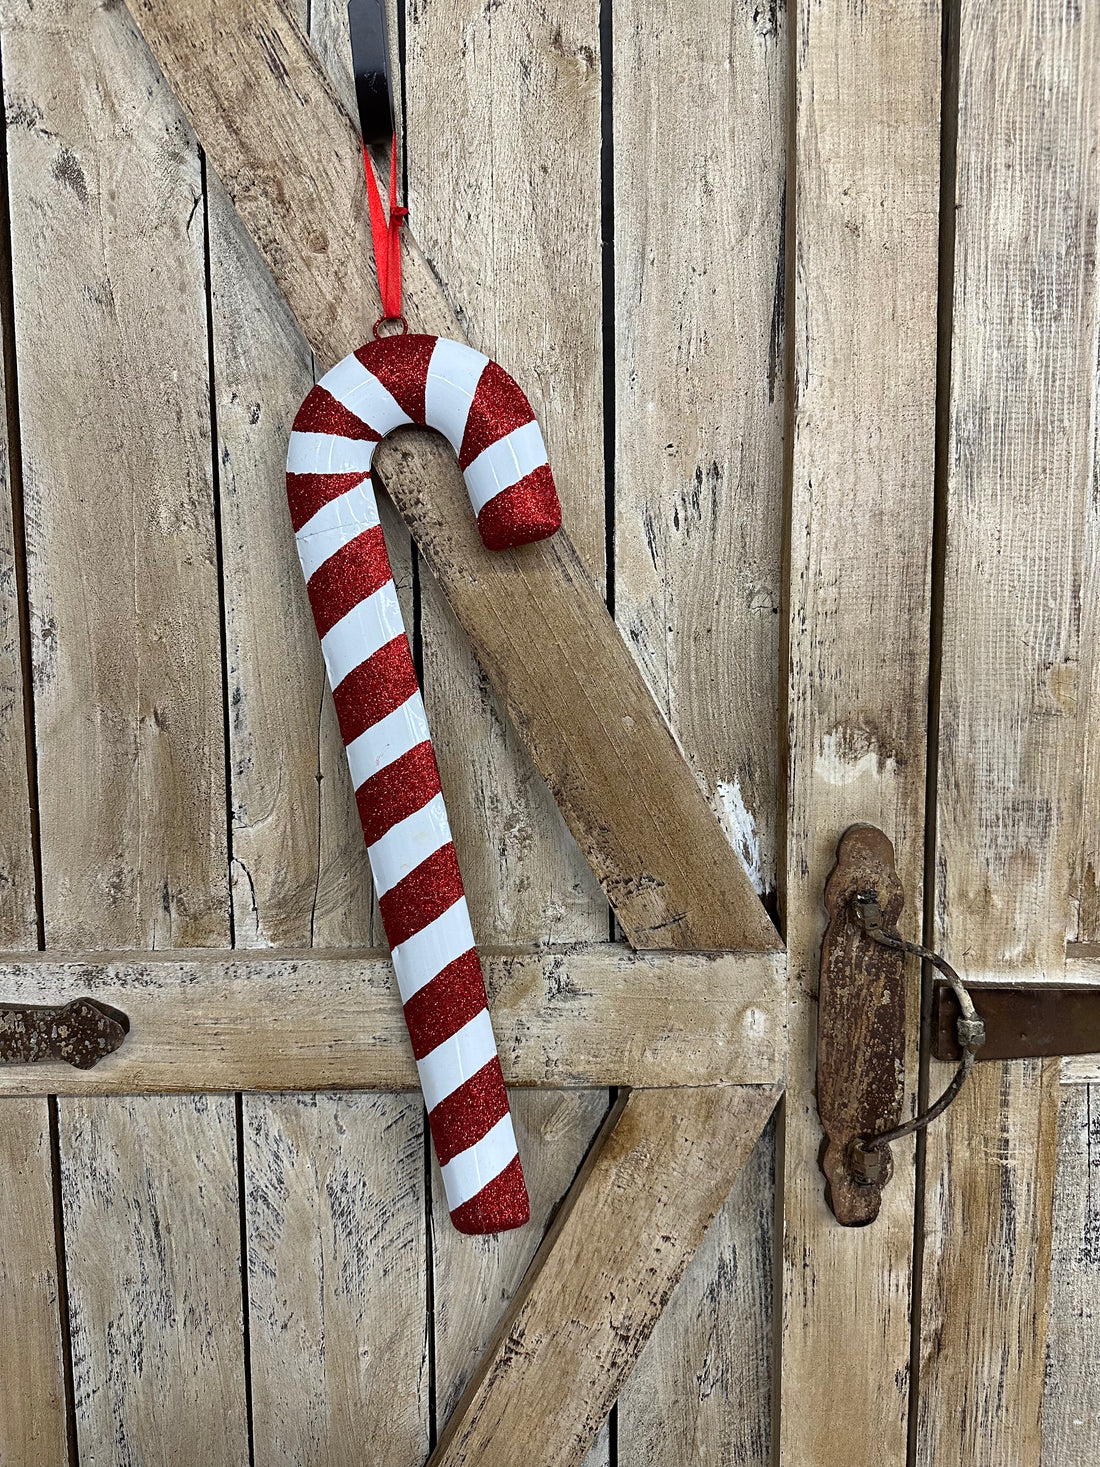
(863, 255)
(337, 1281)
(1071, 1399)
(567, 680)
(504, 198)
(1020, 482)
(700, 391)
(153, 1232)
(702, 1388)
(616, 1249)
(111, 338)
(108, 261)
(32, 1390)
(595, 1015)
(698, 486)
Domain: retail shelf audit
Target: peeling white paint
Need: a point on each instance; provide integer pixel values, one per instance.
(840, 763)
(741, 829)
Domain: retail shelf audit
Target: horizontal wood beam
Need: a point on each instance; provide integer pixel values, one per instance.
(592, 1014)
(288, 153)
(650, 1187)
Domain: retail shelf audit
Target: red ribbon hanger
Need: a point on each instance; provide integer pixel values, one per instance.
(387, 242)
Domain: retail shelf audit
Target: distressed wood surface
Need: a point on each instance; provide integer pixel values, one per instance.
(32, 1387)
(337, 1280)
(567, 679)
(107, 227)
(152, 1221)
(652, 1183)
(1020, 480)
(589, 1015)
(698, 225)
(863, 255)
(33, 1422)
(1071, 1400)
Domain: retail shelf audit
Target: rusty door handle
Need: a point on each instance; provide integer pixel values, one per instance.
(80, 1032)
(861, 1036)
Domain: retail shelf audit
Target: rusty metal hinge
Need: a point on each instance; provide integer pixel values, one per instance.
(81, 1032)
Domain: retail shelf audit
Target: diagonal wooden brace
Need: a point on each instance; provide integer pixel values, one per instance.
(288, 154)
(653, 1182)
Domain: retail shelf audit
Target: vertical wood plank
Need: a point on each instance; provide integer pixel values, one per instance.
(1020, 481)
(504, 196)
(108, 261)
(151, 1211)
(698, 215)
(32, 1419)
(503, 149)
(1071, 1398)
(863, 311)
(32, 1390)
(337, 1285)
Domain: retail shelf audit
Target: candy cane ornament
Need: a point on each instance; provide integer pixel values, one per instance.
(485, 416)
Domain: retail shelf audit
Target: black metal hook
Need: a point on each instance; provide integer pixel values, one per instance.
(370, 59)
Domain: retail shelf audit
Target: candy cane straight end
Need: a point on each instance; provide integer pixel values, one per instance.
(487, 419)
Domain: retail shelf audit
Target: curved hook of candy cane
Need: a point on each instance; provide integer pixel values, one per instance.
(480, 409)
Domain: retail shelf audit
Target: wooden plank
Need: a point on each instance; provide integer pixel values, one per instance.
(699, 508)
(337, 1285)
(33, 1420)
(152, 1209)
(660, 1170)
(1023, 377)
(863, 260)
(1071, 1398)
(595, 1015)
(567, 680)
(108, 260)
(33, 1430)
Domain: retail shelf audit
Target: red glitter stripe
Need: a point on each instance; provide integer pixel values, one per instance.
(396, 791)
(498, 407)
(349, 576)
(374, 688)
(501, 1204)
(422, 896)
(323, 413)
(439, 1009)
(528, 511)
(401, 365)
(469, 1112)
(307, 493)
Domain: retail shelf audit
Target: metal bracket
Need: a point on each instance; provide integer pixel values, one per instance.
(80, 1032)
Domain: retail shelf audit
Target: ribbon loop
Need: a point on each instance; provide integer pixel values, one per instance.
(385, 234)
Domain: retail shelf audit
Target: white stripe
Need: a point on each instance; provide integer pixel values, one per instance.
(453, 374)
(406, 844)
(368, 626)
(469, 1171)
(425, 954)
(325, 453)
(334, 524)
(505, 463)
(387, 740)
(451, 1063)
(362, 394)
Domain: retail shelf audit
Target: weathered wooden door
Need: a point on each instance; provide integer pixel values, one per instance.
(807, 304)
